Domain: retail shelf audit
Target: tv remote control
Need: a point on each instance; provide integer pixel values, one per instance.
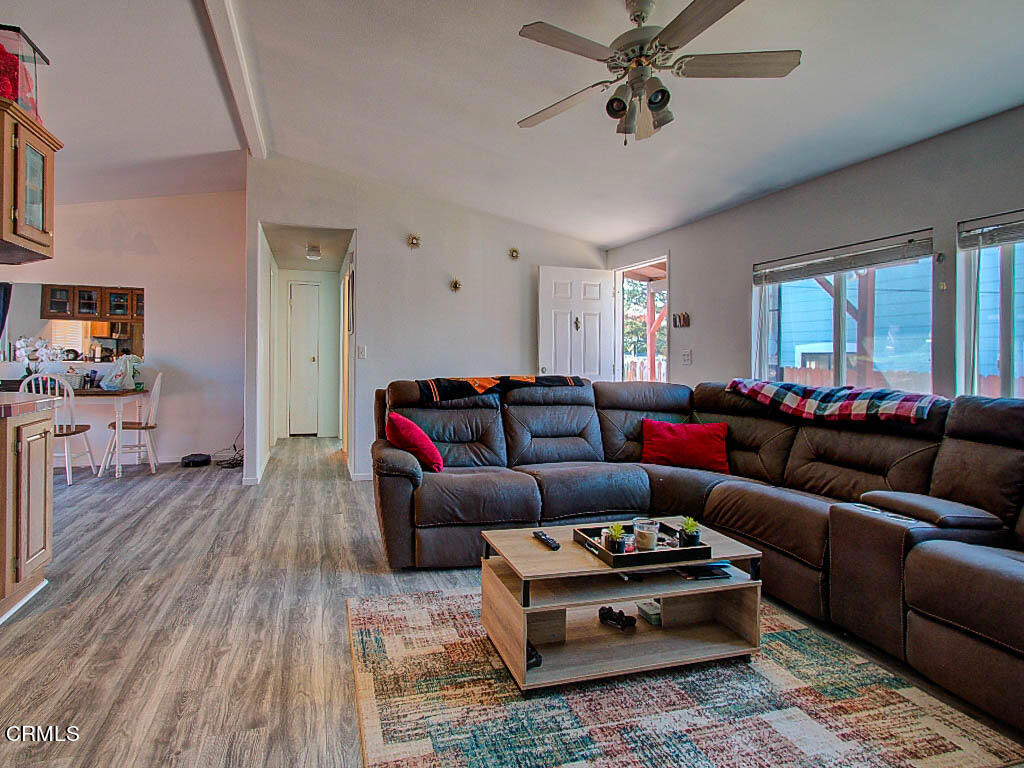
(546, 540)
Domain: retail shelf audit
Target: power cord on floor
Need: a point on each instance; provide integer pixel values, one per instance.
(237, 454)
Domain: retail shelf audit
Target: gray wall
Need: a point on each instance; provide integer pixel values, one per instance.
(973, 171)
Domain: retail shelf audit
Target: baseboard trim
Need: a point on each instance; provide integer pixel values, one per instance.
(362, 476)
(23, 600)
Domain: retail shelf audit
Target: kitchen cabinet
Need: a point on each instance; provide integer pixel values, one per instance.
(117, 303)
(88, 302)
(92, 303)
(58, 302)
(26, 186)
(26, 496)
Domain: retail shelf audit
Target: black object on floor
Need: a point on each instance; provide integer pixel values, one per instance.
(617, 619)
(196, 460)
(533, 658)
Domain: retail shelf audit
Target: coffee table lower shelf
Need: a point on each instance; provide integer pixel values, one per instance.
(702, 621)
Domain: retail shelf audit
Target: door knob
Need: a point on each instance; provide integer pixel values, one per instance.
(314, 358)
(576, 322)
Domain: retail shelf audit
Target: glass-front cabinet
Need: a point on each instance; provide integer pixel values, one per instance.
(58, 302)
(88, 302)
(118, 303)
(138, 305)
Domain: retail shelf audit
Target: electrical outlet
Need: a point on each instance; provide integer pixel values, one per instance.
(686, 357)
(361, 351)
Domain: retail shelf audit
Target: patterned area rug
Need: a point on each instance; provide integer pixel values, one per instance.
(432, 692)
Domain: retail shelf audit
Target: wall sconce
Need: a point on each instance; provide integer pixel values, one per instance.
(455, 284)
(413, 241)
(513, 253)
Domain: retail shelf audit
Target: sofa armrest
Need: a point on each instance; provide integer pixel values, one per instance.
(929, 509)
(394, 462)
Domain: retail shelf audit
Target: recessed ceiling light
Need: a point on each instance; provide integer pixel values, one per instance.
(313, 251)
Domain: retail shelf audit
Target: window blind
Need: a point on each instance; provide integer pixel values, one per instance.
(909, 247)
(992, 230)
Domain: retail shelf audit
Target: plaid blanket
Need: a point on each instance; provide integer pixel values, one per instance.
(440, 390)
(837, 403)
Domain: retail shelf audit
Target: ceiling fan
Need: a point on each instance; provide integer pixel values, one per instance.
(640, 104)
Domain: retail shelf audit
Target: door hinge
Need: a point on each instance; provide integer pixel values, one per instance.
(14, 141)
(16, 562)
(17, 448)
(14, 215)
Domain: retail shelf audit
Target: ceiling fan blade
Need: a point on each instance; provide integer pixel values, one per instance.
(645, 121)
(694, 19)
(561, 106)
(556, 37)
(756, 64)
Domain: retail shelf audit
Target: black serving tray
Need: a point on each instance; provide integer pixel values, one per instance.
(589, 537)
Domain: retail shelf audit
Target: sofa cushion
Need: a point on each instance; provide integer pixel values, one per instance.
(844, 464)
(571, 489)
(981, 460)
(682, 491)
(793, 522)
(467, 432)
(622, 406)
(759, 439)
(978, 589)
(476, 495)
(551, 424)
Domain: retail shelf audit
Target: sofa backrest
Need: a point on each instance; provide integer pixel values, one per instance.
(758, 440)
(844, 459)
(467, 432)
(981, 459)
(623, 405)
(550, 424)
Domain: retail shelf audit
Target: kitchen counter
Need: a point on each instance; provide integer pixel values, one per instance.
(19, 403)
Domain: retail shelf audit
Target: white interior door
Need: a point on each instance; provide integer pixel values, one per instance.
(303, 358)
(576, 329)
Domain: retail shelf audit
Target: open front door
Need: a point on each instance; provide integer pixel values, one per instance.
(576, 330)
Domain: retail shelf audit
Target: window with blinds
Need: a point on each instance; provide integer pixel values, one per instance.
(990, 305)
(68, 334)
(860, 315)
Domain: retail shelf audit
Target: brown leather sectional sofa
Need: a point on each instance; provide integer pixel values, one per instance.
(909, 536)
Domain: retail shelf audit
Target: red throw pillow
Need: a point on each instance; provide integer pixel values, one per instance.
(406, 434)
(697, 446)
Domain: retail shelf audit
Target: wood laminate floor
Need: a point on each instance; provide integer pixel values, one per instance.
(190, 621)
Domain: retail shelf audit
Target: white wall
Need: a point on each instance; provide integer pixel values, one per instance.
(187, 252)
(971, 172)
(411, 323)
(330, 346)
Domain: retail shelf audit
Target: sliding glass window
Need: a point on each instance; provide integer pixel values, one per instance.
(858, 316)
(990, 306)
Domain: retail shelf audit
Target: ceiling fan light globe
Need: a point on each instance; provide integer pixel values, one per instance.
(618, 104)
(657, 94)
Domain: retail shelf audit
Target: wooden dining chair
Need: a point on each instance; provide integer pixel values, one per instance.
(144, 430)
(65, 427)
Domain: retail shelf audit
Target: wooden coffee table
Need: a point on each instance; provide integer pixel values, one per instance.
(551, 597)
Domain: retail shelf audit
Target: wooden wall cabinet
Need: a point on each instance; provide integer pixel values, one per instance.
(92, 303)
(26, 504)
(26, 186)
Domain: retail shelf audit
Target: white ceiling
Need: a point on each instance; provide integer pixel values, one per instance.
(427, 94)
(288, 245)
(135, 94)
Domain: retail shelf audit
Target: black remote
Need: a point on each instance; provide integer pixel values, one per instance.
(547, 540)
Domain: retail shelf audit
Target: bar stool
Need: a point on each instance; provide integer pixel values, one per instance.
(57, 386)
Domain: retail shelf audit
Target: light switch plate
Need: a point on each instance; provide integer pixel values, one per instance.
(360, 351)
(686, 357)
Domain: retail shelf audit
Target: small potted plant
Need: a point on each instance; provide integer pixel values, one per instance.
(691, 532)
(617, 538)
